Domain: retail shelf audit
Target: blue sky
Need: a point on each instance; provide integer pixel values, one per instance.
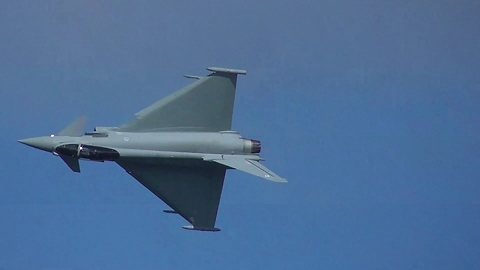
(370, 110)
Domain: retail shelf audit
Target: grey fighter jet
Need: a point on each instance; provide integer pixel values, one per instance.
(179, 148)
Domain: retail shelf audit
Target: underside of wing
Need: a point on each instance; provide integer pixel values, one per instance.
(191, 189)
(205, 105)
(251, 166)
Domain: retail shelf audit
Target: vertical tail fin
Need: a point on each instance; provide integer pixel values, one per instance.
(75, 129)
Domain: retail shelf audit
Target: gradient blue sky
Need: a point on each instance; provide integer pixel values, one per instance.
(370, 109)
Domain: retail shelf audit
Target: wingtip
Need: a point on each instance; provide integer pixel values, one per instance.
(281, 180)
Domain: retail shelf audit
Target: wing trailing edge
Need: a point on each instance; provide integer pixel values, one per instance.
(249, 165)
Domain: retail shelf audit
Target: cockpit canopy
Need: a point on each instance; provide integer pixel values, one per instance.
(87, 152)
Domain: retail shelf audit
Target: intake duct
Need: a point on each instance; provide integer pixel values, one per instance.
(252, 146)
(95, 153)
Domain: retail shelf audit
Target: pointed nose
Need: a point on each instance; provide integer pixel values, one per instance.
(42, 143)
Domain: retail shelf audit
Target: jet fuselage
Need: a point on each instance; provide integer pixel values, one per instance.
(179, 147)
(146, 145)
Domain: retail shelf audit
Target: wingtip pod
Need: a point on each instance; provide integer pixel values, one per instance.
(227, 70)
(203, 229)
(192, 77)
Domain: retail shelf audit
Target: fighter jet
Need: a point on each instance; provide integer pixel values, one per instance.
(179, 147)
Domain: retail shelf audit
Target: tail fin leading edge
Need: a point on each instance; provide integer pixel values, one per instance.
(75, 129)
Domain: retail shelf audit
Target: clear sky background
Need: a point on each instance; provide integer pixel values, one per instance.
(369, 108)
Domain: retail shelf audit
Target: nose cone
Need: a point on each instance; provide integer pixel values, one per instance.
(42, 143)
